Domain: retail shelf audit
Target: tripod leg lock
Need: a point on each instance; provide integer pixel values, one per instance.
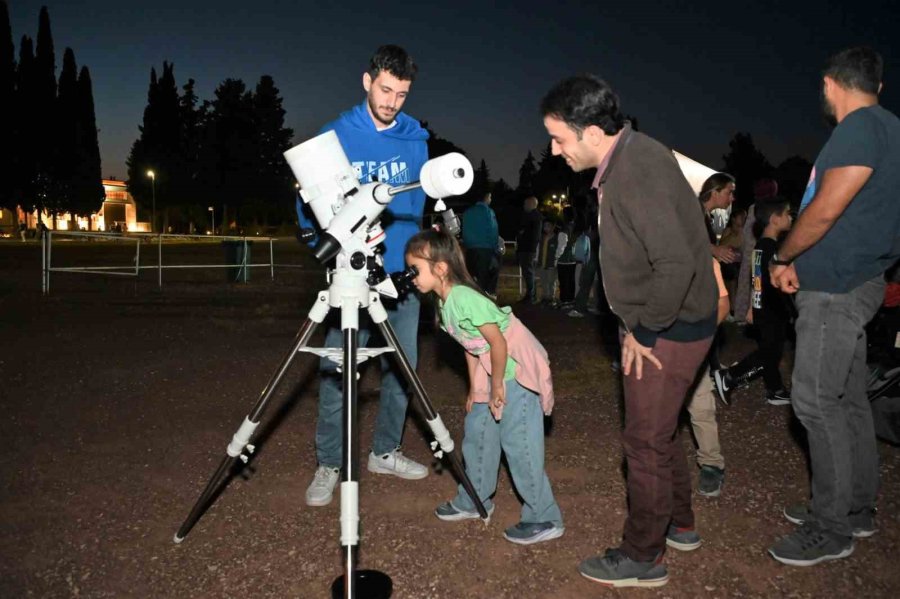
(241, 438)
(441, 434)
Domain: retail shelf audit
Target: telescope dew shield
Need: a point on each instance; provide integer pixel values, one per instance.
(324, 174)
(447, 175)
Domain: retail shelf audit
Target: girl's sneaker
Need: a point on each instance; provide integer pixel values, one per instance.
(528, 533)
(447, 512)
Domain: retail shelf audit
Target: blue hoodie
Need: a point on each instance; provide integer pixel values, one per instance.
(394, 156)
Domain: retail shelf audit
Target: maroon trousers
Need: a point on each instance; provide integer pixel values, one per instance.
(659, 483)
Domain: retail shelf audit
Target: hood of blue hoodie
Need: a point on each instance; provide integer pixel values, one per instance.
(394, 156)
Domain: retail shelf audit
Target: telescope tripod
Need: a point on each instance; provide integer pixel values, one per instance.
(349, 292)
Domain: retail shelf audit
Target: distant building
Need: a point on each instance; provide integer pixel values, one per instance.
(117, 212)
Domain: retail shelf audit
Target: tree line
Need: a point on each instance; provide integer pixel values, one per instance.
(227, 152)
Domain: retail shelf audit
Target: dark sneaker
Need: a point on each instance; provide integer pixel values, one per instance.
(575, 313)
(809, 545)
(616, 569)
(447, 512)
(528, 533)
(863, 521)
(682, 539)
(723, 383)
(781, 397)
(711, 481)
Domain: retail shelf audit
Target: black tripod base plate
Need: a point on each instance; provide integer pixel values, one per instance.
(370, 584)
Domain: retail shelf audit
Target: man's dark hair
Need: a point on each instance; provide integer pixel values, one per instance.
(764, 212)
(582, 101)
(395, 61)
(856, 68)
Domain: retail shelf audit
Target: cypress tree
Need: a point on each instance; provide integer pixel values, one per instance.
(273, 180)
(89, 192)
(9, 168)
(46, 157)
(66, 133)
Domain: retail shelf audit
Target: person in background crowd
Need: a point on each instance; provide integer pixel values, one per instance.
(527, 239)
(480, 238)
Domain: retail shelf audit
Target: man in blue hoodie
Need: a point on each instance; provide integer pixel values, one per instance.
(386, 145)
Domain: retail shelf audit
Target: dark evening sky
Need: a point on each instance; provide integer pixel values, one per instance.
(694, 73)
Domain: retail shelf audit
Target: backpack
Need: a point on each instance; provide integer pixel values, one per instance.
(581, 251)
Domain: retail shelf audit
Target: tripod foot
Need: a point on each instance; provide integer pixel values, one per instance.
(369, 584)
(177, 540)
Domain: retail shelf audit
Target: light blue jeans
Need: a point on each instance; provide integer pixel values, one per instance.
(520, 435)
(404, 319)
(829, 397)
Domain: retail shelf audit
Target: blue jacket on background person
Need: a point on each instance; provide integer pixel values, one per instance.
(394, 156)
(479, 227)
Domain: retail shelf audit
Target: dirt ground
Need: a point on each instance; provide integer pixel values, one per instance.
(119, 400)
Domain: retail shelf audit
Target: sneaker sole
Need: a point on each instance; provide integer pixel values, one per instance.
(858, 533)
(458, 516)
(631, 582)
(319, 503)
(778, 402)
(720, 387)
(683, 546)
(545, 535)
(376, 469)
(715, 493)
(812, 562)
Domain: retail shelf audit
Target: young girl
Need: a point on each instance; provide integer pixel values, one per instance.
(770, 311)
(510, 390)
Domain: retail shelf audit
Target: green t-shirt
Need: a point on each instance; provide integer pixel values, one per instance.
(464, 311)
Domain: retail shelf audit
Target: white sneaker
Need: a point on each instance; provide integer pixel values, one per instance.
(573, 313)
(397, 464)
(321, 489)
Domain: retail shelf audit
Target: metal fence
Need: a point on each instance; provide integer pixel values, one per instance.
(139, 239)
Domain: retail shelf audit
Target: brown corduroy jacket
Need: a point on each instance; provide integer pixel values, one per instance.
(655, 256)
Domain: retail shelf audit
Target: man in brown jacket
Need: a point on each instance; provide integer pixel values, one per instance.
(659, 281)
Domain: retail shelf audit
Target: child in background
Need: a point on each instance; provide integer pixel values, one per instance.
(510, 391)
(770, 310)
(702, 409)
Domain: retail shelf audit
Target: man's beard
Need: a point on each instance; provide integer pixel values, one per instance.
(374, 110)
(828, 111)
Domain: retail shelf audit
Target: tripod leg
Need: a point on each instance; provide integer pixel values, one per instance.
(379, 316)
(350, 473)
(241, 438)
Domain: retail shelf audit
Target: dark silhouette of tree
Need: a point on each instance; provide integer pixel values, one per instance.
(792, 176)
(9, 167)
(273, 189)
(89, 192)
(46, 157)
(158, 147)
(228, 162)
(26, 177)
(67, 133)
(482, 181)
(437, 145)
(747, 165)
(526, 174)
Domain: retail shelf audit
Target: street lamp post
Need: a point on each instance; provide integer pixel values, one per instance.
(152, 176)
(213, 220)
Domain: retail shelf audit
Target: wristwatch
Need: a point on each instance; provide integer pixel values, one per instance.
(779, 262)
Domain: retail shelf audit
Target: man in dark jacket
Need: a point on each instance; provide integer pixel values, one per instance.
(659, 280)
(527, 240)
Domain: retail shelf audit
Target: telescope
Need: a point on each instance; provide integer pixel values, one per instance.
(348, 211)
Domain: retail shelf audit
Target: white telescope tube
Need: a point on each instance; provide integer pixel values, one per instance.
(324, 174)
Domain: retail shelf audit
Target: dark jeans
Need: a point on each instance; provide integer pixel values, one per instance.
(829, 398)
(772, 331)
(659, 482)
(566, 274)
(484, 267)
(526, 262)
